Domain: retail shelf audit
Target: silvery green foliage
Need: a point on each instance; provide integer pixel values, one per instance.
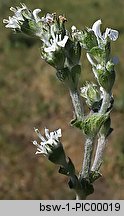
(62, 49)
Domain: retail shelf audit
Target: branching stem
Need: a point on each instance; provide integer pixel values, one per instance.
(78, 106)
(99, 153)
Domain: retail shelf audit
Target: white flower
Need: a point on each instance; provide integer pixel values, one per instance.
(96, 28)
(74, 29)
(18, 12)
(112, 34)
(55, 42)
(48, 19)
(47, 144)
(17, 20)
(12, 22)
(35, 14)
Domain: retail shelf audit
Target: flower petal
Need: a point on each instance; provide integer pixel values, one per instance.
(47, 133)
(96, 28)
(63, 42)
(11, 23)
(18, 13)
(39, 151)
(59, 132)
(46, 147)
(113, 35)
(73, 28)
(51, 48)
(39, 135)
(35, 14)
(48, 18)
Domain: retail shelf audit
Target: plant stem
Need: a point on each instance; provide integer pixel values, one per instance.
(99, 153)
(101, 140)
(105, 102)
(80, 195)
(87, 158)
(78, 106)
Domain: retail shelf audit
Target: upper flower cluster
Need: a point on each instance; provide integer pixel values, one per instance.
(21, 14)
(97, 45)
(50, 28)
(93, 37)
(58, 47)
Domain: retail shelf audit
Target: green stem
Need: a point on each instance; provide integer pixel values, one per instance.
(78, 106)
(105, 102)
(101, 140)
(80, 195)
(87, 158)
(99, 153)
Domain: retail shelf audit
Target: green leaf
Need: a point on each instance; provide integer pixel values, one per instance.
(76, 123)
(69, 169)
(105, 77)
(62, 74)
(97, 53)
(93, 123)
(87, 39)
(73, 52)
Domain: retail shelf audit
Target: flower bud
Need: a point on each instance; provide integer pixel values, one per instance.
(90, 93)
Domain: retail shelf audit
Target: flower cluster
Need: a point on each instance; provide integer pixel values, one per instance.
(49, 29)
(46, 145)
(51, 146)
(54, 38)
(15, 21)
(99, 56)
(103, 38)
(62, 50)
(58, 47)
(97, 45)
(24, 20)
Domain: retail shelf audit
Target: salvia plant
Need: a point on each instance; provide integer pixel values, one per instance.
(62, 49)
